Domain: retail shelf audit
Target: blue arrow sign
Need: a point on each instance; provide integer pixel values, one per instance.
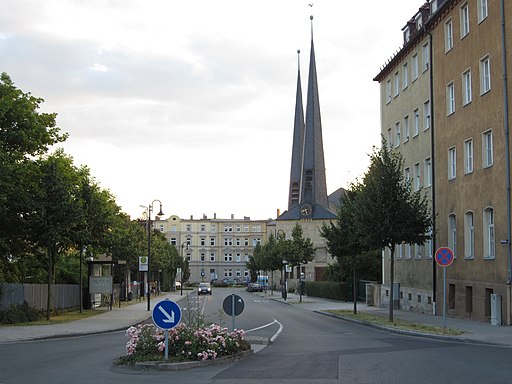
(166, 314)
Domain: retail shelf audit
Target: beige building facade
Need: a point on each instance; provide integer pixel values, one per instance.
(215, 248)
(468, 146)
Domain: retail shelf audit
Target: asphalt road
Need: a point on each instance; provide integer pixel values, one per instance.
(310, 348)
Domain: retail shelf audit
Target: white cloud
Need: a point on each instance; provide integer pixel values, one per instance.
(192, 102)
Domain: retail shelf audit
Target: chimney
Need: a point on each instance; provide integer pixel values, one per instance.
(278, 212)
(214, 215)
(232, 216)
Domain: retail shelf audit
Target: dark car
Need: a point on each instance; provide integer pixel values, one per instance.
(254, 287)
(205, 288)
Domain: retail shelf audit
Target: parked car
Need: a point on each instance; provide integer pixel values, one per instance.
(205, 288)
(254, 287)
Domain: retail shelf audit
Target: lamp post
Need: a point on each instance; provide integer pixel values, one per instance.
(182, 265)
(160, 213)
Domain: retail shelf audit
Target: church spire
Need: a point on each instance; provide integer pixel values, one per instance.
(297, 146)
(314, 184)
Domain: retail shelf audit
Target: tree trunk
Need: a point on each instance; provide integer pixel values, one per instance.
(391, 282)
(354, 283)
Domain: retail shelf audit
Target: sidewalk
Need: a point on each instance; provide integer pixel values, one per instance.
(474, 331)
(123, 318)
(114, 320)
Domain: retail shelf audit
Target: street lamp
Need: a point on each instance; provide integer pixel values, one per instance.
(182, 265)
(160, 213)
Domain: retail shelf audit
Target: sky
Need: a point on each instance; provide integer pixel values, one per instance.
(192, 102)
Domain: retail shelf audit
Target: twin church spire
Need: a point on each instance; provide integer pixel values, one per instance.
(308, 186)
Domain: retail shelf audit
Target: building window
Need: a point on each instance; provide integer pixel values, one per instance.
(406, 128)
(433, 6)
(426, 114)
(390, 139)
(452, 163)
(407, 34)
(450, 99)
(213, 228)
(238, 257)
(407, 175)
(405, 76)
(256, 241)
(212, 241)
(469, 236)
(417, 176)
(419, 21)
(246, 241)
(489, 241)
(425, 52)
(427, 173)
(238, 241)
(173, 241)
(482, 10)
(464, 20)
(452, 233)
(228, 228)
(407, 251)
(414, 66)
(466, 87)
(246, 226)
(202, 241)
(487, 149)
(485, 75)
(429, 245)
(448, 35)
(468, 156)
(397, 84)
(212, 256)
(228, 257)
(189, 227)
(416, 122)
(397, 133)
(203, 228)
(228, 241)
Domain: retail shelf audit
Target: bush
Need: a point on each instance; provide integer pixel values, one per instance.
(147, 343)
(328, 290)
(20, 314)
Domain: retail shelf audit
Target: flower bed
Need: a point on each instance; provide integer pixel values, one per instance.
(147, 343)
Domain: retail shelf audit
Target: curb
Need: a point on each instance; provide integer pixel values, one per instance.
(407, 332)
(162, 366)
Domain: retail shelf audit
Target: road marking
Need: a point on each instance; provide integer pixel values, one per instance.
(273, 338)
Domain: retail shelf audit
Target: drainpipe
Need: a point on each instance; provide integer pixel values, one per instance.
(507, 154)
(433, 189)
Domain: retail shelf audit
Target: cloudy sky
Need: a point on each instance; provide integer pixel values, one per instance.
(192, 102)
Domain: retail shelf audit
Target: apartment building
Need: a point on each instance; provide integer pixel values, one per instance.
(406, 127)
(215, 248)
(469, 150)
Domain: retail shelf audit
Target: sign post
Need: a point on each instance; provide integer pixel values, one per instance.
(166, 315)
(233, 306)
(444, 258)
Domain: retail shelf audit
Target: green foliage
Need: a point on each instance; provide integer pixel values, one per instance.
(20, 314)
(328, 290)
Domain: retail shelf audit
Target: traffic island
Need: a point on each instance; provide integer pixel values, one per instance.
(168, 366)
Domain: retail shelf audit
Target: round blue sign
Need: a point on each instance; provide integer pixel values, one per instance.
(166, 314)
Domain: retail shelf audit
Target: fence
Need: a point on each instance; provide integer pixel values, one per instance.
(36, 295)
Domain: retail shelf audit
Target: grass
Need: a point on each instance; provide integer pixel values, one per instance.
(380, 320)
(65, 317)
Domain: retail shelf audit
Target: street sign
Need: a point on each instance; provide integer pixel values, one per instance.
(166, 314)
(444, 256)
(233, 302)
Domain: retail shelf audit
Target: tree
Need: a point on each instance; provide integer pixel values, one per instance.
(53, 221)
(25, 135)
(344, 239)
(390, 212)
(302, 251)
